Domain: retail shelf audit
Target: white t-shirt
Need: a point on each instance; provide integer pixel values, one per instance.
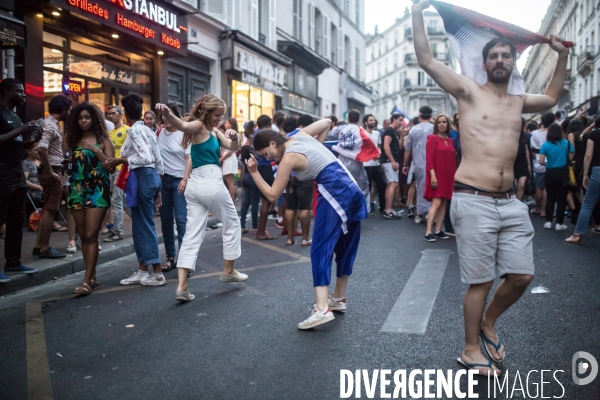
(376, 138)
(538, 138)
(173, 155)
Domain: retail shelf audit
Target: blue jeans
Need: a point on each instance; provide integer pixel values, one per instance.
(251, 196)
(145, 240)
(173, 206)
(591, 198)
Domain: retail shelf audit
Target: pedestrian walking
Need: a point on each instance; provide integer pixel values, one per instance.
(340, 208)
(141, 154)
(493, 229)
(205, 190)
(415, 149)
(591, 182)
(441, 167)
(117, 199)
(177, 170)
(14, 135)
(538, 138)
(89, 189)
(250, 192)
(556, 154)
(390, 163)
(377, 182)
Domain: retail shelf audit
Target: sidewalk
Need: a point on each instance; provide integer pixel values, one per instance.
(50, 269)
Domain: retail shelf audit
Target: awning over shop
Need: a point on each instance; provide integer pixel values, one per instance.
(12, 31)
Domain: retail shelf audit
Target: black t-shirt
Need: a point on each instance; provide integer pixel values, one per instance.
(245, 153)
(11, 153)
(394, 145)
(595, 137)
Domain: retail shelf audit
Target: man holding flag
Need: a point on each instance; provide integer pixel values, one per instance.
(493, 230)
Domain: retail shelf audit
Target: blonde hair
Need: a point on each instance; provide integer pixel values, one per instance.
(448, 123)
(201, 112)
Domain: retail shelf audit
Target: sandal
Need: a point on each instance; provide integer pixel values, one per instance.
(306, 242)
(244, 230)
(83, 290)
(169, 264)
(267, 237)
(290, 242)
(60, 229)
(95, 283)
(574, 239)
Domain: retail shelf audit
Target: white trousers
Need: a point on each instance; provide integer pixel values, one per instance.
(206, 192)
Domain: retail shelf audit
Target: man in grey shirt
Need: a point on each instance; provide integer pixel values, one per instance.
(415, 147)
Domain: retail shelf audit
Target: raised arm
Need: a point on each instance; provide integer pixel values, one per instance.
(191, 127)
(540, 102)
(229, 140)
(447, 79)
(318, 130)
(272, 193)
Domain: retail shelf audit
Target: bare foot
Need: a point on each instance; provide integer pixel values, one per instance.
(490, 333)
(478, 358)
(575, 239)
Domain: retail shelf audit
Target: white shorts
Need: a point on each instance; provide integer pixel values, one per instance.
(390, 174)
(230, 165)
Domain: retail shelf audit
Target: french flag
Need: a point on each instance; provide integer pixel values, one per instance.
(468, 33)
(355, 143)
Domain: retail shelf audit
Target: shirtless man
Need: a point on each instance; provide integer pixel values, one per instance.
(493, 229)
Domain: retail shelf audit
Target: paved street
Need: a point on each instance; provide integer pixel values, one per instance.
(240, 341)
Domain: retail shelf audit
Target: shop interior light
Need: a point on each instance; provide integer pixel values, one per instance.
(160, 52)
(56, 13)
(39, 15)
(115, 36)
(56, 51)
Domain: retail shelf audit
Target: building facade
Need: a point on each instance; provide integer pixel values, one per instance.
(579, 22)
(395, 76)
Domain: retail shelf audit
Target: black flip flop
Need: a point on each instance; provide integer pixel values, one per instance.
(172, 265)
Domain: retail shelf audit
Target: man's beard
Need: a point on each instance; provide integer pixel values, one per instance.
(499, 79)
(372, 126)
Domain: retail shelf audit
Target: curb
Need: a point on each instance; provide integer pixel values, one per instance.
(49, 269)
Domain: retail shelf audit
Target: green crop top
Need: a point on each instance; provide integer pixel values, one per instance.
(206, 153)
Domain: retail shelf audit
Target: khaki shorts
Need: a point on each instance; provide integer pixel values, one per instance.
(53, 191)
(494, 237)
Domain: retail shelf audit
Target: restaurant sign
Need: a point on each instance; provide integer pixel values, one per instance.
(259, 71)
(12, 31)
(144, 19)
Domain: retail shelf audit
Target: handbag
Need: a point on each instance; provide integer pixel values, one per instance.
(121, 182)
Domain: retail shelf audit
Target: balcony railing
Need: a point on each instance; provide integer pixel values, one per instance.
(410, 59)
(585, 61)
(435, 31)
(408, 33)
(407, 83)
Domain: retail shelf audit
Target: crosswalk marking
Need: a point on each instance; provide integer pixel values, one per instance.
(412, 310)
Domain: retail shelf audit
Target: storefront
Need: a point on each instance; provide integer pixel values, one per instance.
(256, 77)
(100, 51)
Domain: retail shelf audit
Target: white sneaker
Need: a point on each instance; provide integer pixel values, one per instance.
(336, 305)
(238, 277)
(136, 277)
(72, 249)
(560, 227)
(548, 225)
(153, 280)
(316, 318)
(418, 219)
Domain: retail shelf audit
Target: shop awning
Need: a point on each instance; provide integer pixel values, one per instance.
(12, 31)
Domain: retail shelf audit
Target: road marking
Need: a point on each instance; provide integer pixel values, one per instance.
(274, 248)
(413, 308)
(201, 276)
(39, 385)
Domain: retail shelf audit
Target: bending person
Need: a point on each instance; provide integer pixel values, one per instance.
(340, 207)
(205, 189)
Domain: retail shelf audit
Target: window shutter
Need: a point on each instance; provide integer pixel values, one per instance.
(216, 9)
(272, 40)
(254, 19)
(311, 25)
(326, 37)
(351, 70)
(340, 43)
(229, 19)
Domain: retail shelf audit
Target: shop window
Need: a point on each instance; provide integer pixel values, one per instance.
(249, 102)
(54, 39)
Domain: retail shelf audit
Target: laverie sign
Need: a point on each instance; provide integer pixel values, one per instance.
(260, 72)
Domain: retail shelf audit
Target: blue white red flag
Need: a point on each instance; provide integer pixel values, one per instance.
(468, 33)
(355, 143)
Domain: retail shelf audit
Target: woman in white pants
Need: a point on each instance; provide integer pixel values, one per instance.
(205, 190)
